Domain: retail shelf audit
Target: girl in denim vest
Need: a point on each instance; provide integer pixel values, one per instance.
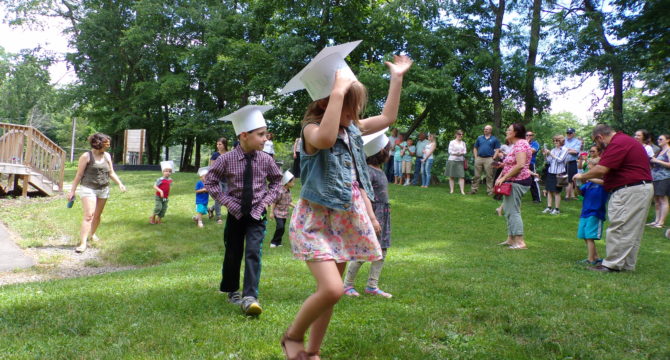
(333, 221)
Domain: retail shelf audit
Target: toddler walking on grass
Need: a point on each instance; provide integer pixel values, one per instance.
(201, 197)
(279, 209)
(162, 187)
(376, 148)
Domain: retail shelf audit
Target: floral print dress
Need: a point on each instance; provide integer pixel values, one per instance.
(318, 233)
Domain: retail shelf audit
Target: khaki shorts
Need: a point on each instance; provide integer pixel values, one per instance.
(88, 192)
(407, 167)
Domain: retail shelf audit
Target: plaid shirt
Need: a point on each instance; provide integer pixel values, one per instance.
(282, 203)
(229, 167)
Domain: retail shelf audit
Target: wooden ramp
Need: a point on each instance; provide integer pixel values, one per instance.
(29, 159)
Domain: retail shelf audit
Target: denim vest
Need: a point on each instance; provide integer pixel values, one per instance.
(326, 175)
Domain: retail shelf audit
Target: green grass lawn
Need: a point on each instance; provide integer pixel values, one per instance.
(456, 294)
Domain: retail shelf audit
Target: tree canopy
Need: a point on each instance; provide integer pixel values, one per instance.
(173, 67)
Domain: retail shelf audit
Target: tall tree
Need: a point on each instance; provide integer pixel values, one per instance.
(529, 83)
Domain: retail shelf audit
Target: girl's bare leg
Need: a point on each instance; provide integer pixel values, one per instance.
(88, 205)
(99, 207)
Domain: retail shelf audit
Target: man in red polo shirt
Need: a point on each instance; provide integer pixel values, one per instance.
(624, 167)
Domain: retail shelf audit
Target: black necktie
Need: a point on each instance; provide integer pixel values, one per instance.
(248, 189)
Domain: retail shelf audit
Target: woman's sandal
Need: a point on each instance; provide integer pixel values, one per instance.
(301, 355)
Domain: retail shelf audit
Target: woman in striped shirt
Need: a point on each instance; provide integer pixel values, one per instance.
(556, 162)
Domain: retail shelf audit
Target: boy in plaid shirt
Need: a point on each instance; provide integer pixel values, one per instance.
(253, 181)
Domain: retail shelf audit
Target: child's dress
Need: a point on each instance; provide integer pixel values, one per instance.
(381, 205)
(319, 233)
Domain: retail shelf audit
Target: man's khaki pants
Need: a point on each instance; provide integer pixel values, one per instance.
(483, 164)
(627, 211)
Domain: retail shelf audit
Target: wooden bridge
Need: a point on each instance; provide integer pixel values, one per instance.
(28, 158)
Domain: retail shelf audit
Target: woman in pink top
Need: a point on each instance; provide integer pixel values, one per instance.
(516, 172)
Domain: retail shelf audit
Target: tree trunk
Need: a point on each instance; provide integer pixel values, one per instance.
(417, 122)
(529, 88)
(188, 155)
(197, 152)
(497, 64)
(614, 62)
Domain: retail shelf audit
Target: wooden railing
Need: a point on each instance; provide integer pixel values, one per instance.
(25, 145)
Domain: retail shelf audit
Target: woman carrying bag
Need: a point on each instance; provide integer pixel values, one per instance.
(517, 173)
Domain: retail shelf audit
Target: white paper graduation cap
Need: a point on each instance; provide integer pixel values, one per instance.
(203, 171)
(169, 164)
(247, 118)
(318, 76)
(287, 177)
(374, 143)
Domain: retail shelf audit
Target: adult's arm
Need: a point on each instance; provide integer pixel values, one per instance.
(514, 171)
(596, 172)
(81, 167)
(112, 173)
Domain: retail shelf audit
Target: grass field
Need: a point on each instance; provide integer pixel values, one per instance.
(456, 294)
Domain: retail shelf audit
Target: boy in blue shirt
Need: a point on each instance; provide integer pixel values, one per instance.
(201, 197)
(592, 218)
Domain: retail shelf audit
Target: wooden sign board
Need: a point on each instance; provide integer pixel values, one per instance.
(133, 146)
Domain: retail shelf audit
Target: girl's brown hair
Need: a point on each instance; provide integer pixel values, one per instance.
(97, 140)
(381, 157)
(354, 104)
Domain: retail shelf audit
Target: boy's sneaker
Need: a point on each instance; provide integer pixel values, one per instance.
(200, 224)
(250, 306)
(378, 292)
(273, 245)
(547, 210)
(219, 221)
(350, 291)
(555, 212)
(235, 297)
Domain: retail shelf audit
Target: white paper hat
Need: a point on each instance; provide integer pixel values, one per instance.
(169, 164)
(318, 76)
(287, 177)
(247, 118)
(374, 143)
(203, 171)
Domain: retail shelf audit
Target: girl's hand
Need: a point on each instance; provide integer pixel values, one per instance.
(122, 188)
(70, 196)
(342, 83)
(400, 65)
(376, 226)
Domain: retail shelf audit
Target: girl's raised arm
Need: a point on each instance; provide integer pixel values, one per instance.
(398, 68)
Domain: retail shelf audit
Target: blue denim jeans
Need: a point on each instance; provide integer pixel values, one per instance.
(397, 167)
(418, 171)
(426, 165)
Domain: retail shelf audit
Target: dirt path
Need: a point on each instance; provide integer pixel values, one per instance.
(48, 262)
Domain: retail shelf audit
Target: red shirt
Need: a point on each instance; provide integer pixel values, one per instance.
(163, 184)
(627, 161)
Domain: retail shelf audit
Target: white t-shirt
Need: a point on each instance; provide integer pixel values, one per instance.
(269, 147)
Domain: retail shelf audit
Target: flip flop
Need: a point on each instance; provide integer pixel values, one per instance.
(517, 247)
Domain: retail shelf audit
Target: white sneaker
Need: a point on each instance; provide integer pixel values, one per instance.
(555, 212)
(547, 210)
(273, 245)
